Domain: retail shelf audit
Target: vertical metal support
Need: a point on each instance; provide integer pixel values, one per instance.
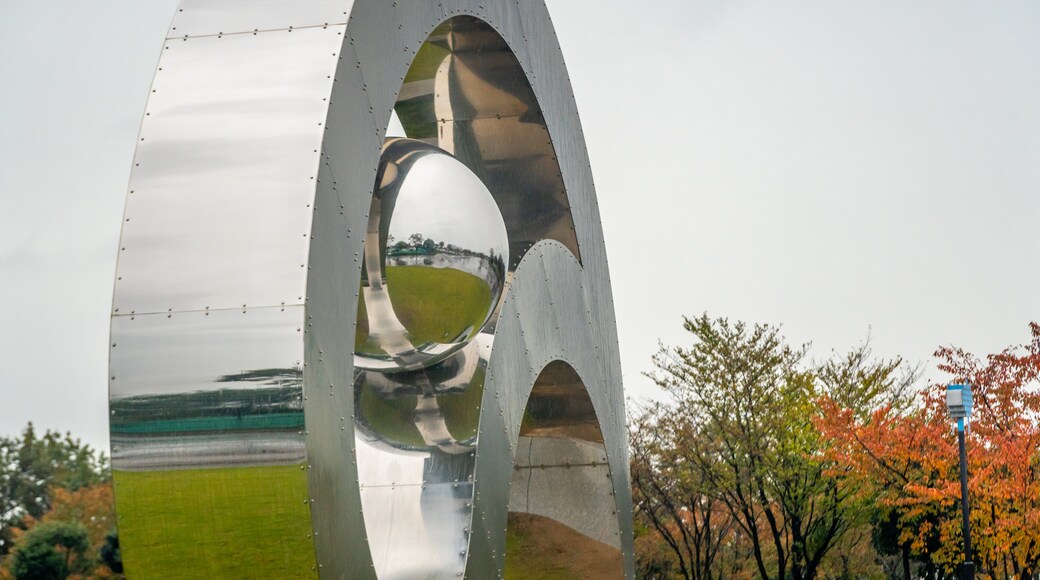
(968, 571)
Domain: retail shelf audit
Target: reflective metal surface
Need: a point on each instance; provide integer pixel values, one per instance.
(550, 424)
(206, 17)
(467, 93)
(207, 412)
(416, 443)
(442, 387)
(435, 260)
(562, 472)
(217, 214)
(434, 267)
(200, 389)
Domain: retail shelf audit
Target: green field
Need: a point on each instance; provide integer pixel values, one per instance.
(434, 304)
(241, 522)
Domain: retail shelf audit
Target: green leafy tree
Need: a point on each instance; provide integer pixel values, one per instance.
(672, 497)
(32, 466)
(51, 550)
(738, 444)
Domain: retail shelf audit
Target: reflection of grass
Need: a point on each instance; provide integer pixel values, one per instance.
(361, 339)
(434, 304)
(428, 301)
(462, 411)
(392, 416)
(241, 522)
(437, 304)
(526, 558)
(426, 62)
(417, 115)
(538, 548)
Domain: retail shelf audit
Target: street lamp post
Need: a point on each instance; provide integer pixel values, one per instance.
(958, 402)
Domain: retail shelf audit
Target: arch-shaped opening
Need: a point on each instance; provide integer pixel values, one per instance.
(467, 93)
(562, 516)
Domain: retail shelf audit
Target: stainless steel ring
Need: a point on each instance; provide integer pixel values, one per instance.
(253, 427)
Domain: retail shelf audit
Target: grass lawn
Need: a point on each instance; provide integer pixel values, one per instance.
(240, 522)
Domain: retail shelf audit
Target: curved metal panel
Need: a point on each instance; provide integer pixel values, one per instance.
(547, 315)
(218, 212)
(207, 331)
(467, 93)
(225, 17)
(207, 426)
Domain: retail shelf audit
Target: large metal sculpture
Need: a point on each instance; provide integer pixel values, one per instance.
(345, 354)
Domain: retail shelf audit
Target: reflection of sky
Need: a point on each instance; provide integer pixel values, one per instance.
(443, 200)
(395, 128)
(189, 352)
(244, 148)
(409, 521)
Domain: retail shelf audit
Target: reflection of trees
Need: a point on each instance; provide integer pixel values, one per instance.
(266, 376)
(417, 245)
(420, 245)
(498, 267)
(273, 391)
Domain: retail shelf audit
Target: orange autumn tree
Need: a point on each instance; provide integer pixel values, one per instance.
(90, 509)
(93, 507)
(1004, 452)
(906, 460)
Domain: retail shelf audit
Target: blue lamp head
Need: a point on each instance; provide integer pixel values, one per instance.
(959, 401)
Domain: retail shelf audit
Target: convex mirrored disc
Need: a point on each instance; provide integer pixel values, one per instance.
(436, 251)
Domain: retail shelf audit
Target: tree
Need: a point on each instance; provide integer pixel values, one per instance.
(672, 496)
(738, 438)
(92, 507)
(1004, 456)
(32, 466)
(894, 457)
(110, 553)
(908, 460)
(52, 550)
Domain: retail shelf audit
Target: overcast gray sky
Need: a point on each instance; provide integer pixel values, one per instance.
(835, 167)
